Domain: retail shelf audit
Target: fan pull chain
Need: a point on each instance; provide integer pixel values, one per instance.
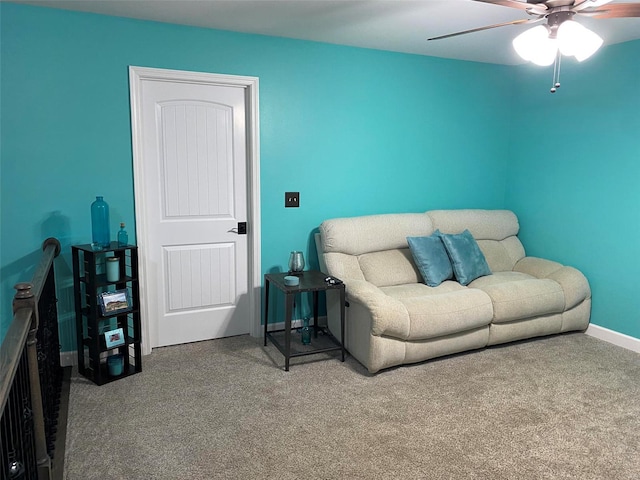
(556, 73)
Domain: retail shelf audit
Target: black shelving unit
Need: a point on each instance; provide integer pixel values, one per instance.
(90, 280)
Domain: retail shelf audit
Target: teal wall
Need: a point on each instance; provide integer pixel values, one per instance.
(356, 131)
(574, 175)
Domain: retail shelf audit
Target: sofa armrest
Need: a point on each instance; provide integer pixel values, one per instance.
(388, 316)
(574, 284)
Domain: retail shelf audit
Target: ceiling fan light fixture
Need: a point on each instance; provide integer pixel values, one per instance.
(577, 40)
(535, 46)
(572, 39)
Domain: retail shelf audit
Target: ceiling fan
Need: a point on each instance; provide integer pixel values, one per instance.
(560, 34)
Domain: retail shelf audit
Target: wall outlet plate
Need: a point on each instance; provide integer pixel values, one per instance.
(291, 199)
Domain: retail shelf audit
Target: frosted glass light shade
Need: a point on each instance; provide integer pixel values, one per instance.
(535, 46)
(577, 40)
(573, 39)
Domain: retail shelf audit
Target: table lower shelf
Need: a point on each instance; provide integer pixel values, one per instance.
(321, 341)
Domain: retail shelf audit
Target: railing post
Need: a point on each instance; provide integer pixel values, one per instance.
(25, 298)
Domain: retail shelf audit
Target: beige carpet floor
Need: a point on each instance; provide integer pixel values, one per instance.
(563, 407)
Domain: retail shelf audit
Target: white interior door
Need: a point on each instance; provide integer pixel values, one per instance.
(193, 172)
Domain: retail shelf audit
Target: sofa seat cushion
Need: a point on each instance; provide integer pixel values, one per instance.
(498, 278)
(443, 310)
(410, 290)
(517, 296)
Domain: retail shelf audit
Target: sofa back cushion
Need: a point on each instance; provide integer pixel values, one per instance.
(502, 255)
(373, 233)
(391, 267)
(379, 245)
(495, 231)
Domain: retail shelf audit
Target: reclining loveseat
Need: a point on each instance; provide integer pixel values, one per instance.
(395, 317)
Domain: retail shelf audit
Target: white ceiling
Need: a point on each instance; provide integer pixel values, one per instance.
(395, 25)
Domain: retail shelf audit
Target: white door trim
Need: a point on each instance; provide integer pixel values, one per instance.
(250, 84)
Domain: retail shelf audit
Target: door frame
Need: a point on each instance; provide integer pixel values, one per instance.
(250, 84)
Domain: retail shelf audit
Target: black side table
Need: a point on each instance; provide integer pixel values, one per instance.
(310, 281)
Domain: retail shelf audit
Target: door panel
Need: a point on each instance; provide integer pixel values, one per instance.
(197, 158)
(199, 276)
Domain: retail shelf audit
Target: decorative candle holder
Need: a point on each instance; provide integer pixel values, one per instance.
(115, 364)
(296, 263)
(113, 269)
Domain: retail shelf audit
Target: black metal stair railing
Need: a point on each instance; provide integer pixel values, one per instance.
(17, 450)
(31, 376)
(48, 346)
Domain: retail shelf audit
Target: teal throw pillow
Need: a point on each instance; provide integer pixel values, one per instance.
(467, 259)
(431, 258)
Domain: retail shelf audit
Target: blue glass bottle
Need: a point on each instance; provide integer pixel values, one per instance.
(123, 237)
(101, 234)
(306, 331)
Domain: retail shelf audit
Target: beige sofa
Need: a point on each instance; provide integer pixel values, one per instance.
(394, 318)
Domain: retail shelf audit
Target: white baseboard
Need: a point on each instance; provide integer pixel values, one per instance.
(619, 339)
(68, 359)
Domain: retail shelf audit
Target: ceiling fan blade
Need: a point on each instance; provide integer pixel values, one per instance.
(479, 29)
(582, 4)
(614, 10)
(516, 4)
